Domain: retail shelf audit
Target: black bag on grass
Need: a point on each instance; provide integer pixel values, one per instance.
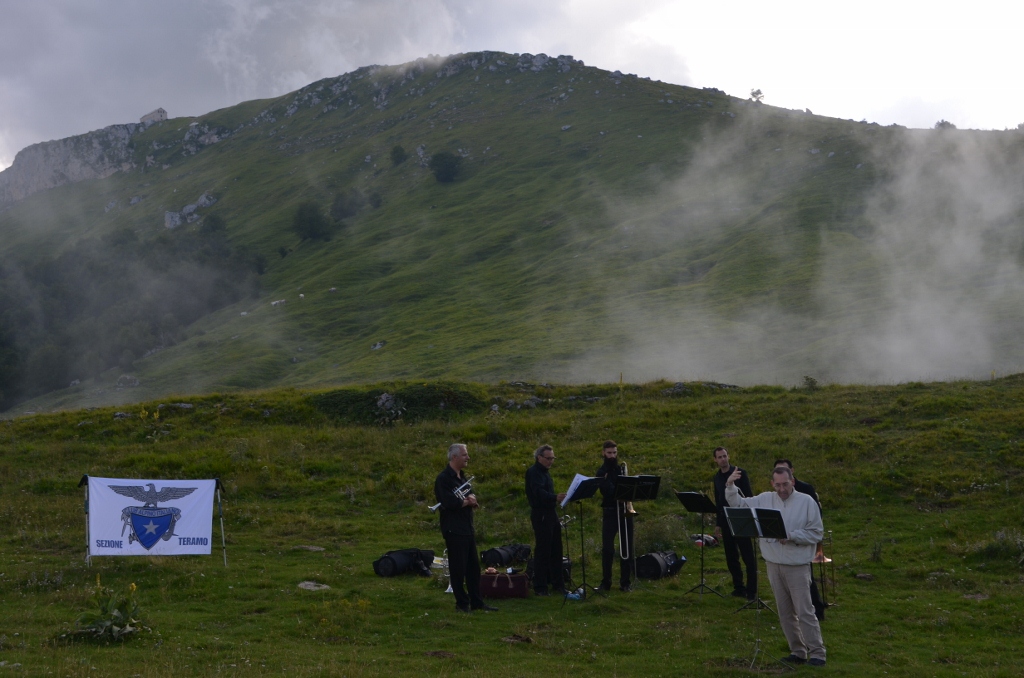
(394, 563)
(504, 556)
(659, 564)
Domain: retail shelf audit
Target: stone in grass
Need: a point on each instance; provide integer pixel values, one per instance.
(307, 547)
(865, 576)
(516, 638)
(313, 586)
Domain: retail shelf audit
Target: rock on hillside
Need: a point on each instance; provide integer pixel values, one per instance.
(93, 155)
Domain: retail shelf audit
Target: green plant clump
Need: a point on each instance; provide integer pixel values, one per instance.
(445, 166)
(113, 616)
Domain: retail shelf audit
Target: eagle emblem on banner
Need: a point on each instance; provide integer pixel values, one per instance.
(148, 523)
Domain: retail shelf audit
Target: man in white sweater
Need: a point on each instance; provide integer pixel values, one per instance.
(788, 561)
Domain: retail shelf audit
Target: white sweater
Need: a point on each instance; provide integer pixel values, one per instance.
(800, 514)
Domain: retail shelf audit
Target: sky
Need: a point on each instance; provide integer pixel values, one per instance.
(71, 66)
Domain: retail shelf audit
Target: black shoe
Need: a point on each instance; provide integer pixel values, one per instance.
(541, 592)
(814, 661)
(739, 593)
(793, 659)
(485, 607)
(605, 586)
(626, 589)
(463, 608)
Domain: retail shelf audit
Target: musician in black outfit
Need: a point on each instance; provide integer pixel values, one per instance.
(547, 554)
(609, 472)
(735, 547)
(457, 529)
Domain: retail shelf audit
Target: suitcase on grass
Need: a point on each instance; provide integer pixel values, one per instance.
(503, 585)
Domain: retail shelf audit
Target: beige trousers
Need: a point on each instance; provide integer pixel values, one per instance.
(791, 585)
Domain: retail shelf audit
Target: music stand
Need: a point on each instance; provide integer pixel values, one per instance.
(757, 523)
(696, 502)
(635, 488)
(581, 488)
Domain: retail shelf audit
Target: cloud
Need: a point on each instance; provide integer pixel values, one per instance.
(919, 276)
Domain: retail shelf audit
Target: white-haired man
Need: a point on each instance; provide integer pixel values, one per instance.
(457, 529)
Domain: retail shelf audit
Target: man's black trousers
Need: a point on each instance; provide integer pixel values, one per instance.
(464, 566)
(734, 548)
(547, 556)
(609, 528)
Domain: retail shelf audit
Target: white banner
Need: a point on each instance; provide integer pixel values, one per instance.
(150, 517)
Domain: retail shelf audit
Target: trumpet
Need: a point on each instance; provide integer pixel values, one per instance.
(462, 491)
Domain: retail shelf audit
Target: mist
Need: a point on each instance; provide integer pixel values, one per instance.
(909, 269)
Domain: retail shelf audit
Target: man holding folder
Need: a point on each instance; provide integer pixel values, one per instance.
(788, 561)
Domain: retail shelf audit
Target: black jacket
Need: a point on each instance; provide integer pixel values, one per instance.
(540, 489)
(455, 518)
(807, 488)
(609, 473)
(744, 486)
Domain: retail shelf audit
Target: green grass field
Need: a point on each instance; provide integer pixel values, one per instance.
(919, 484)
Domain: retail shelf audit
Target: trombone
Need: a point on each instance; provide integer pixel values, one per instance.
(462, 491)
(623, 511)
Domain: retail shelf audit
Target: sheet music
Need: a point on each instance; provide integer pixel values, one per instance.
(572, 488)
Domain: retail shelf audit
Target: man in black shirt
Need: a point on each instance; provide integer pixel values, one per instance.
(799, 485)
(540, 492)
(609, 472)
(734, 546)
(457, 529)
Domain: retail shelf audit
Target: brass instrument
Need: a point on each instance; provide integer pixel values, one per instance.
(826, 569)
(625, 472)
(447, 573)
(623, 510)
(462, 491)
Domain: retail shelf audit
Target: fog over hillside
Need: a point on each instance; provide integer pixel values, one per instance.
(929, 285)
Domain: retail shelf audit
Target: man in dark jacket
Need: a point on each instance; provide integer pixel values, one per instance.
(609, 473)
(540, 492)
(735, 547)
(457, 529)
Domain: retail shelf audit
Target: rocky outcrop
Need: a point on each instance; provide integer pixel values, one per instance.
(93, 155)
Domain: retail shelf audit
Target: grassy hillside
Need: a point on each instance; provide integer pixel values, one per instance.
(918, 482)
(601, 224)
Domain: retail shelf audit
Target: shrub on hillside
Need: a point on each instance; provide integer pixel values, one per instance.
(398, 155)
(347, 204)
(310, 223)
(445, 166)
(418, 402)
(213, 223)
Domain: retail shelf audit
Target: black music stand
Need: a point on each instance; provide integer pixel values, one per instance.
(748, 521)
(757, 523)
(635, 488)
(697, 502)
(583, 490)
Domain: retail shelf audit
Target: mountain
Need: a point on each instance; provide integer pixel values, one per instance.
(600, 224)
